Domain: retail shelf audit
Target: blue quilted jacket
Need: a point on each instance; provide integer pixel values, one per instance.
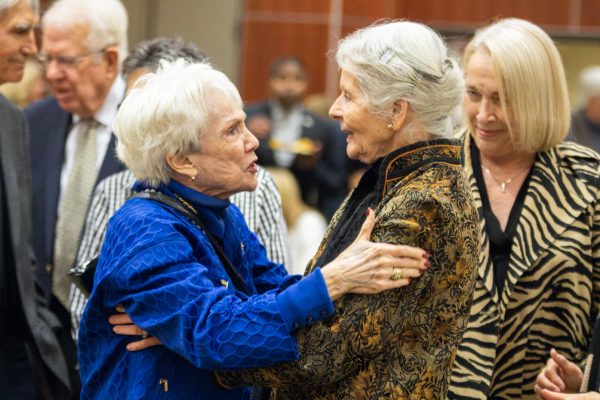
(164, 271)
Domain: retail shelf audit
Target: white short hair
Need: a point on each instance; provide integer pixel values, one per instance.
(107, 20)
(165, 114)
(405, 60)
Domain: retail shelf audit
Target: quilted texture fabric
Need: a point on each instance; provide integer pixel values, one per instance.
(164, 271)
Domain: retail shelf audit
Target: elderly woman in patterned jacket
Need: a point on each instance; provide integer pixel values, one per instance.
(398, 91)
(182, 262)
(538, 284)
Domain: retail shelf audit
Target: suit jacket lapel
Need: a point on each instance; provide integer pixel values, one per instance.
(111, 163)
(14, 175)
(17, 183)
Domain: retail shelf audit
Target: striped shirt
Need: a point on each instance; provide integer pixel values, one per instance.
(261, 209)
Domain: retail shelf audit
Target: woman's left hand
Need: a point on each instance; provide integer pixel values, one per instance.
(123, 325)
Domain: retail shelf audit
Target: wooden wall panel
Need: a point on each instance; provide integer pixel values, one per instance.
(293, 6)
(468, 12)
(590, 14)
(374, 9)
(268, 41)
(307, 29)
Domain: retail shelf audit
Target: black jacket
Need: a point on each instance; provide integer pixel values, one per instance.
(42, 325)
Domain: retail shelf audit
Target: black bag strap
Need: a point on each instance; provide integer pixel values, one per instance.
(238, 281)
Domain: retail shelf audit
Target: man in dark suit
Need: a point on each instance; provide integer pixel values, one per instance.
(72, 145)
(312, 147)
(32, 365)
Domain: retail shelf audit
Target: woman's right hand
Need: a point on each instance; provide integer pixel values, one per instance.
(559, 375)
(366, 267)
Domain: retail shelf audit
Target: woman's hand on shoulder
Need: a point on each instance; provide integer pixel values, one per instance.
(366, 267)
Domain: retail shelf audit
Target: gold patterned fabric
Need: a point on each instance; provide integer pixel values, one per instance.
(399, 344)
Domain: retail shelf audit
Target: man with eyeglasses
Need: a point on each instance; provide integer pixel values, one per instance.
(32, 365)
(72, 144)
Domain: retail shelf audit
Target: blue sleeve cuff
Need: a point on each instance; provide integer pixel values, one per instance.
(305, 302)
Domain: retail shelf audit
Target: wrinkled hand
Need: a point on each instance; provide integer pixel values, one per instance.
(559, 376)
(259, 125)
(366, 267)
(123, 325)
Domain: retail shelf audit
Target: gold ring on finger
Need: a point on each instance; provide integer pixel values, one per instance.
(145, 335)
(396, 274)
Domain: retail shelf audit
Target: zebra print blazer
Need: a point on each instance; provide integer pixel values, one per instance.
(552, 292)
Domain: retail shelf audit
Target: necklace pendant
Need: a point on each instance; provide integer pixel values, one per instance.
(503, 186)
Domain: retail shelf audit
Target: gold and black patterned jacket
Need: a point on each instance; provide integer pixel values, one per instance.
(399, 344)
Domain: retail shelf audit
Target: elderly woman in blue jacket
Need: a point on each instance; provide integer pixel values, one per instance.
(181, 131)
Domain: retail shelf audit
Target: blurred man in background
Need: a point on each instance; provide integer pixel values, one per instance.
(312, 147)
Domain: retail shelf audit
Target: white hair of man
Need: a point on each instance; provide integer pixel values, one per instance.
(107, 21)
(405, 60)
(6, 4)
(166, 114)
(589, 83)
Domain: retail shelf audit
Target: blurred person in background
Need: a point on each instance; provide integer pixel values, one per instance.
(306, 225)
(292, 137)
(320, 105)
(32, 364)
(32, 87)
(585, 123)
(538, 284)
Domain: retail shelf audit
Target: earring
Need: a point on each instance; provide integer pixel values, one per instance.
(390, 126)
(192, 178)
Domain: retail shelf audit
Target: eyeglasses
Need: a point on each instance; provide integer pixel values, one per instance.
(65, 62)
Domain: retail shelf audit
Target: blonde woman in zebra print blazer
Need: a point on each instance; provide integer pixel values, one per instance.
(538, 283)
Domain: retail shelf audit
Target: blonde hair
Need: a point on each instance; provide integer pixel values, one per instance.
(531, 81)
